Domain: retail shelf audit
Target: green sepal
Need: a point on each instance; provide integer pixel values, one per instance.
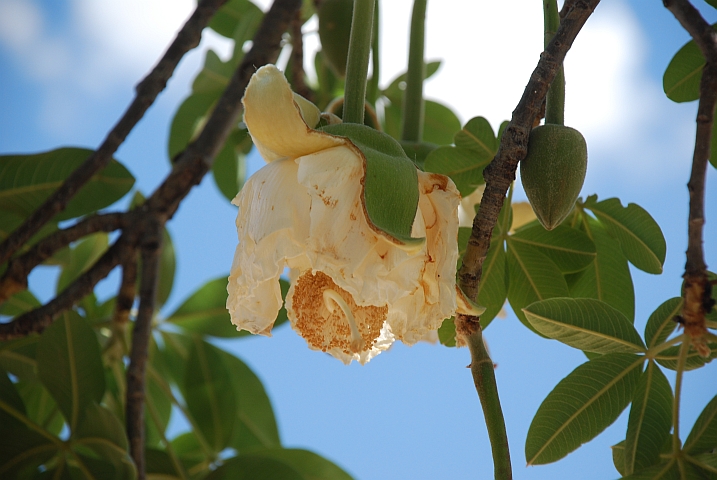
(390, 192)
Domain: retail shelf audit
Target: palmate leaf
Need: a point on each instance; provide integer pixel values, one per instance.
(650, 420)
(581, 406)
(493, 288)
(308, 464)
(703, 436)
(586, 324)
(440, 124)
(41, 408)
(229, 168)
(681, 81)
(209, 393)
(18, 357)
(27, 180)
(69, 365)
(531, 277)
(570, 249)
(667, 470)
(608, 277)
(394, 92)
(228, 18)
(477, 134)
(639, 235)
(252, 467)
(188, 119)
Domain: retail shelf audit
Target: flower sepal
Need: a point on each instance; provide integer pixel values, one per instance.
(390, 184)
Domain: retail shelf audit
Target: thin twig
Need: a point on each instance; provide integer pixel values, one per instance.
(134, 417)
(147, 91)
(127, 291)
(500, 173)
(697, 289)
(15, 277)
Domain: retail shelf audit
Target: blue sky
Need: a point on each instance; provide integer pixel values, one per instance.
(67, 71)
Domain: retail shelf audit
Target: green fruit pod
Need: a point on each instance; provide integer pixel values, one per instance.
(553, 171)
(335, 31)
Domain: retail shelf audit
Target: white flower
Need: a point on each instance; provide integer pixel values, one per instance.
(354, 289)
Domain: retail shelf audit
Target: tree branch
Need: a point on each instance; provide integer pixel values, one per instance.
(15, 277)
(134, 416)
(127, 291)
(147, 91)
(500, 173)
(697, 289)
(298, 81)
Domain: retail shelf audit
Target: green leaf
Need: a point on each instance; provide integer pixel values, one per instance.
(531, 277)
(18, 357)
(661, 323)
(493, 287)
(229, 168)
(462, 165)
(447, 333)
(70, 366)
(228, 18)
(477, 135)
(255, 425)
(667, 470)
(167, 268)
(608, 278)
(205, 312)
(188, 120)
(41, 408)
(390, 184)
(103, 433)
(187, 448)
(214, 76)
(440, 124)
(681, 81)
(703, 436)
(83, 256)
(27, 180)
(209, 393)
(650, 421)
(159, 465)
(639, 235)
(394, 91)
(12, 405)
(158, 411)
(252, 467)
(308, 464)
(570, 249)
(669, 357)
(581, 406)
(706, 466)
(586, 324)
(19, 303)
(618, 457)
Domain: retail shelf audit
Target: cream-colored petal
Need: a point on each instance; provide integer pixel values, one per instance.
(272, 225)
(522, 214)
(466, 211)
(275, 121)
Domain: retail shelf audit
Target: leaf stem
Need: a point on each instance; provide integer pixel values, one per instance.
(555, 100)
(372, 88)
(413, 106)
(654, 351)
(682, 359)
(482, 369)
(357, 62)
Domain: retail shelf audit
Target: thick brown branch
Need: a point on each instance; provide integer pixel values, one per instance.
(15, 277)
(514, 143)
(298, 82)
(697, 289)
(147, 91)
(151, 249)
(37, 320)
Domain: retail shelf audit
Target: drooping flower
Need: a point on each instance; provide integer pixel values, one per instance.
(355, 288)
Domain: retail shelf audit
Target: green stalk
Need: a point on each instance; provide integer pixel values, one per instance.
(484, 378)
(413, 109)
(357, 62)
(372, 89)
(555, 100)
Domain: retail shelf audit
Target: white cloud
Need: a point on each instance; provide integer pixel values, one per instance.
(20, 24)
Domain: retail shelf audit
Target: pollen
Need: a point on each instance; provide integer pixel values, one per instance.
(327, 316)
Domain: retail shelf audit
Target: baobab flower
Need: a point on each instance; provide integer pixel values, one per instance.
(355, 287)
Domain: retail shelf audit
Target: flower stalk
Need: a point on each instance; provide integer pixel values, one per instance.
(357, 62)
(555, 100)
(413, 106)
